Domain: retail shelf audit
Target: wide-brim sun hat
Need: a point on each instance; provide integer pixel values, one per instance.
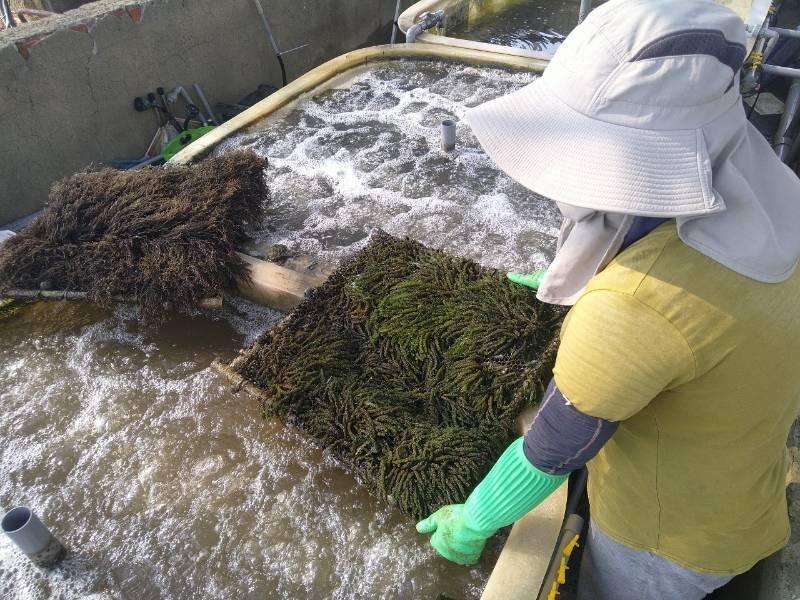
(639, 113)
(594, 132)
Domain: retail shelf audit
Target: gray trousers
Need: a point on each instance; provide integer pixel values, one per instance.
(612, 571)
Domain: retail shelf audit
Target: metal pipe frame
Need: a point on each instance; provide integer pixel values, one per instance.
(784, 141)
(791, 33)
(781, 71)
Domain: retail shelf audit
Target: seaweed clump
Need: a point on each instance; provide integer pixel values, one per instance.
(411, 366)
(7, 307)
(160, 236)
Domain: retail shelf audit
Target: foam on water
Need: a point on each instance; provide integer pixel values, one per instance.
(367, 155)
(165, 484)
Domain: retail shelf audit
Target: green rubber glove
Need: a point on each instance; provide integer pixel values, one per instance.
(511, 489)
(531, 280)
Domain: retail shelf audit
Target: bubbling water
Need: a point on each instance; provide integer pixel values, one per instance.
(165, 484)
(367, 155)
(162, 481)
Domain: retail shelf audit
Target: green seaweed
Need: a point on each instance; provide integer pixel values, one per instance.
(411, 366)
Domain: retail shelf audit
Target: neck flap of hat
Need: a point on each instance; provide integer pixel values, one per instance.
(639, 113)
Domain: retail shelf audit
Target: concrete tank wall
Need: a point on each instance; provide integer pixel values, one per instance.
(68, 82)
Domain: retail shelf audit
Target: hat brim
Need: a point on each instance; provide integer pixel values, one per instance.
(569, 157)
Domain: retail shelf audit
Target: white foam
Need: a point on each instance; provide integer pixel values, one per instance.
(351, 160)
(165, 484)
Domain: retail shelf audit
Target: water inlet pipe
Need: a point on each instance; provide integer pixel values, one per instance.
(448, 135)
(429, 20)
(31, 536)
(272, 41)
(395, 25)
(586, 6)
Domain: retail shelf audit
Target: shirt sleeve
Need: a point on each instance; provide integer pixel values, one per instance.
(617, 354)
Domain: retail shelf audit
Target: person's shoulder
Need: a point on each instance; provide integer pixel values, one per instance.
(628, 271)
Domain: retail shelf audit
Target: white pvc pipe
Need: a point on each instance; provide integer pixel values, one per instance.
(448, 135)
(30, 535)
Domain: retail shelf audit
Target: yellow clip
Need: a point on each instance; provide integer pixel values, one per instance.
(573, 543)
(772, 9)
(562, 571)
(553, 592)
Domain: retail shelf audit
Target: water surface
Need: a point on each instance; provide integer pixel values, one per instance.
(538, 25)
(166, 484)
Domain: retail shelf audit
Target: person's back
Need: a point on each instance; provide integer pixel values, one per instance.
(697, 472)
(675, 379)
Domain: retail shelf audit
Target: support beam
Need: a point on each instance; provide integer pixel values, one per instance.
(276, 286)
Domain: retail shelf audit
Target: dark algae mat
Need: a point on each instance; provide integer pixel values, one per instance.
(411, 366)
(157, 235)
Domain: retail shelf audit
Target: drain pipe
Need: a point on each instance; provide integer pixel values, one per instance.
(272, 41)
(30, 535)
(428, 21)
(448, 135)
(586, 6)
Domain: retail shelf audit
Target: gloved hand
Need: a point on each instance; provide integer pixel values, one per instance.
(512, 488)
(531, 280)
(452, 537)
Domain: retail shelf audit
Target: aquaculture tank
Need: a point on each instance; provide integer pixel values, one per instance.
(536, 25)
(530, 28)
(165, 483)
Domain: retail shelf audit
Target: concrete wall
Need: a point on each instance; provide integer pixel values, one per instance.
(68, 82)
(51, 5)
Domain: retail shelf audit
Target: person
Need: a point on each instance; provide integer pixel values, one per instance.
(676, 380)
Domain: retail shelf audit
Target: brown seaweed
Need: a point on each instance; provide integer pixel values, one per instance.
(163, 236)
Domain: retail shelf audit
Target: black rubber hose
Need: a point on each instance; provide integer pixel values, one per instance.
(577, 487)
(283, 69)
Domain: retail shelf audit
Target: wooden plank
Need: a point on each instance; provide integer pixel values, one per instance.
(276, 286)
(212, 303)
(523, 562)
